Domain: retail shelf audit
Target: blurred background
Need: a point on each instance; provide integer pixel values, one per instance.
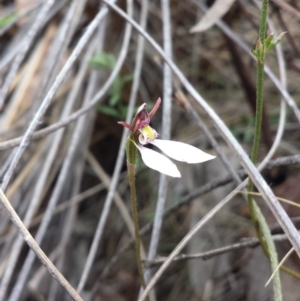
(69, 71)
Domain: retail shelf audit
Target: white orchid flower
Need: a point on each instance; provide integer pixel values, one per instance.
(143, 134)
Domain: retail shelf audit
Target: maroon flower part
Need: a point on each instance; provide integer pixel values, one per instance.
(141, 119)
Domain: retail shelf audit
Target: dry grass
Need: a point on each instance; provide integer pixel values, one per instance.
(68, 183)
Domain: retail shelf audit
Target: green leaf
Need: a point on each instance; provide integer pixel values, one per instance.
(272, 42)
(103, 60)
(123, 111)
(127, 78)
(108, 111)
(116, 91)
(258, 51)
(115, 98)
(268, 41)
(7, 19)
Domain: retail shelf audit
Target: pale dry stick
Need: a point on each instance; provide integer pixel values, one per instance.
(256, 177)
(62, 175)
(74, 200)
(47, 100)
(166, 133)
(33, 283)
(213, 142)
(4, 167)
(21, 99)
(25, 47)
(245, 243)
(287, 255)
(36, 249)
(15, 50)
(279, 198)
(60, 45)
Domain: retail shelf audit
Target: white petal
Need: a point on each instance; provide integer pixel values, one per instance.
(182, 151)
(158, 162)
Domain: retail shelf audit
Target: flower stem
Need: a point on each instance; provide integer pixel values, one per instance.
(131, 159)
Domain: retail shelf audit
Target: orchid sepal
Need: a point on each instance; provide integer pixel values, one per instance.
(181, 151)
(157, 161)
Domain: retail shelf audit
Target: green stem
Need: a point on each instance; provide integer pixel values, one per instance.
(260, 224)
(131, 159)
(258, 113)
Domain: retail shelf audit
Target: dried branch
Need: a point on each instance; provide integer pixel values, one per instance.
(245, 243)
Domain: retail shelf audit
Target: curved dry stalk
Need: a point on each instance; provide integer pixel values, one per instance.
(36, 249)
(166, 133)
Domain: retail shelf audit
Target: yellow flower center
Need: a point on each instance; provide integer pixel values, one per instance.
(147, 135)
